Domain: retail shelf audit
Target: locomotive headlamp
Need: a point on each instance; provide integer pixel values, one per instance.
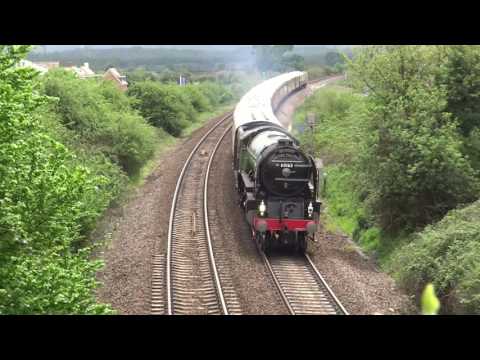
(310, 209)
(262, 208)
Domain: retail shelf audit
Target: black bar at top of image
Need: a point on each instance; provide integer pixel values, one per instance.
(302, 24)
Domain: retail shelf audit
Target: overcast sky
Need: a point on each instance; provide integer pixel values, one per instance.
(212, 47)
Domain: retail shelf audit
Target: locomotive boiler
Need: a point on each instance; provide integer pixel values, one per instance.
(276, 181)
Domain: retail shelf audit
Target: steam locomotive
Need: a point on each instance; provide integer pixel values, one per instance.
(276, 181)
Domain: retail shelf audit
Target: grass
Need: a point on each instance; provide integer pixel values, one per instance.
(337, 139)
(204, 117)
(166, 141)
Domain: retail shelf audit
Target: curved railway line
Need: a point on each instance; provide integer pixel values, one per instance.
(189, 280)
(192, 281)
(303, 289)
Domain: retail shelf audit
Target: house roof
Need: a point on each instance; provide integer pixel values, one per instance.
(114, 72)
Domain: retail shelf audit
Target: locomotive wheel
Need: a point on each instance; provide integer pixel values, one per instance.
(266, 244)
(260, 239)
(302, 244)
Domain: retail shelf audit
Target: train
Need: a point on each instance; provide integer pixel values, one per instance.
(276, 181)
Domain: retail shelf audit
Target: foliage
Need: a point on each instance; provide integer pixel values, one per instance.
(216, 93)
(445, 254)
(333, 58)
(46, 201)
(54, 281)
(459, 74)
(198, 99)
(471, 147)
(160, 108)
(413, 167)
(173, 107)
(402, 155)
(101, 117)
(339, 123)
(317, 72)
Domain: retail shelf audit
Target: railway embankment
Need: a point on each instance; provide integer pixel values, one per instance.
(355, 278)
(138, 229)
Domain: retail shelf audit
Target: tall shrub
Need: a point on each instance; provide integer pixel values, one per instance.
(44, 202)
(413, 167)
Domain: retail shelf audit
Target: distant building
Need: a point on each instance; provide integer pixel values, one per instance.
(83, 71)
(29, 64)
(120, 80)
(49, 64)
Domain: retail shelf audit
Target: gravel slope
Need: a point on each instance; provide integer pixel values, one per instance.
(139, 230)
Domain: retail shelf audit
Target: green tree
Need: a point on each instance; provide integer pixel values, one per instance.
(163, 106)
(45, 200)
(333, 58)
(412, 168)
(459, 73)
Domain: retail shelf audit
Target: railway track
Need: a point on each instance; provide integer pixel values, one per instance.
(189, 278)
(301, 286)
(192, 283)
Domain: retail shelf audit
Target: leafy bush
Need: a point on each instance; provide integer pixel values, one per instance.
(160, 107)
(127, 140)
(173, 107)
(117, 100)
(46, 202)
(459, 73)
(472, 148)
(54, 281)
(98, 164)
(413, 167)
(101, 118)
(445, 254)
(216, 93)
(316, 72)
(197, 98)
(44, 198)
(340, 123)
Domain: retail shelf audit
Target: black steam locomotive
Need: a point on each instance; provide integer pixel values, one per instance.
(276, 181)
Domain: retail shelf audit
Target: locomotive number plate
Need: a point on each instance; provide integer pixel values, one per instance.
(286, 165)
